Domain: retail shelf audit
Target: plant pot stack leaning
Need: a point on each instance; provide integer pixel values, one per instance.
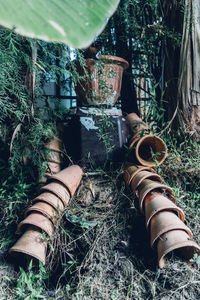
(38, 226)
(164, 219)
(145, 148)
(101, 84)
(53, 153)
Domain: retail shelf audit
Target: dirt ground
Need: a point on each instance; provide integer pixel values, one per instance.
(101, 251)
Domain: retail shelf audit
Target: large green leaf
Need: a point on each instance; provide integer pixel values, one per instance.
(74, 22)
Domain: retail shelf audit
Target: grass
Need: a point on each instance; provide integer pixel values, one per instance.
(101, 248)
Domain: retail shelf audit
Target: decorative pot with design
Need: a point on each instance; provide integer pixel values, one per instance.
(102, 80)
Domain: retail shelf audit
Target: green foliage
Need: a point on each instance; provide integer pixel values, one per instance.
(74, 23)
(30, 284)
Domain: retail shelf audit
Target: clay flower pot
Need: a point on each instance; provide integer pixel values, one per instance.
(53, 167)
(148, 186)
(104, 83)
(149, 150)
(38, 220)
(69, 177)
(57, 189)
(31, 243)
(136, 124)
(176, 239)
(138, 178)
(51, 199)
(55, 144)
(43, 208)
(132, 171)
(163, 222)
(156, 202)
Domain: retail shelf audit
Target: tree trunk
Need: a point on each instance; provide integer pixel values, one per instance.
(189, 70)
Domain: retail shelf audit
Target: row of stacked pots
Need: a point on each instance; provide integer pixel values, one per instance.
(163, 218)
(42, 216)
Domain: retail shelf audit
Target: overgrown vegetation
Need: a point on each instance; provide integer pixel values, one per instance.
(100, 249)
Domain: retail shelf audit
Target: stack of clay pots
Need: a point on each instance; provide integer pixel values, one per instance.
(145, 148)
(164, 220)
(40, 218)
(54, 158)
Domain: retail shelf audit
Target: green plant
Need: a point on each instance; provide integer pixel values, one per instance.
(30, 284)
(75, 24)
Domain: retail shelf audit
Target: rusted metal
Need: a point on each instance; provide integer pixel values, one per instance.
(69, 177)
(38, 220)
(51, 199)
(176, 239)
(31, 244)
(163, 222)
(156, 202)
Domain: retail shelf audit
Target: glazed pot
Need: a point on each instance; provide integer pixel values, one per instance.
(43, 208)
(69, 177)
(132, 171)
(58, 189)
(156, 202)
(51, 199)
(149, 150)
(163, 222)
(176, 239)
(148, 186)
(138, 178)
(30, 244)
(38, 220)
(102, 83)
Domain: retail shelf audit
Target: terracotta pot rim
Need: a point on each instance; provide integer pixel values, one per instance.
(46, 188)
(172, 227)
(33, 209)
(16, 251)
(153, 176)
(149, 163)
(154, 186)
(189, 243)
(114, 59)
(133, 174)
(176, 209)
(42, 199)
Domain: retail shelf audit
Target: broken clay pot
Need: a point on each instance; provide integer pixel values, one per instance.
(31, 244)
(163, 222)
(176, 239)
(38, 220)
(156, 202)
(69, 177)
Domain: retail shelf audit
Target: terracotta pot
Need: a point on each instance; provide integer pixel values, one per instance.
(70, 177)
(148, 186)
(150, 150)
(43, 208)
(176, 239)
(54, 156)
(163, 222)
(37, 220)
(51, 199)
(31, 244)
(104, 83)
(138, 178)
(136, 124)
(59, 190)
(156, 202)
(55, 144)
(132, 171)
(53, 167)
